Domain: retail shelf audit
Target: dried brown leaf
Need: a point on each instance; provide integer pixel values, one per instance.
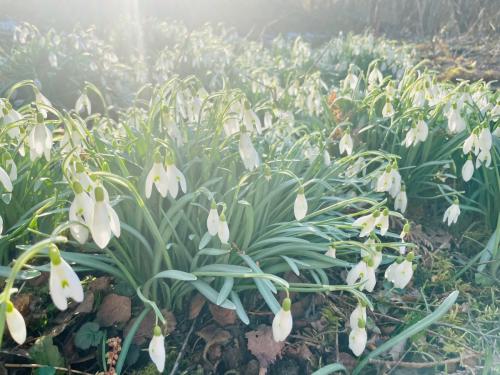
(262, 345)
(114, 309)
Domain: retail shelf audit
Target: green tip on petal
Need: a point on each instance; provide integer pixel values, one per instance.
(157, 331)
(406, 228)
(99, 194)
(79, 168)
(77, 187)
(170, 159)
(54, 255)
(361, 323)
(370, 262)
(287, 304)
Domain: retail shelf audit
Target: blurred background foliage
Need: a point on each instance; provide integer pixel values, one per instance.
(393, 18)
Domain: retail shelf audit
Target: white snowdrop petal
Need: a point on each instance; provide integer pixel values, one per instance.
(16, 325)
(300, 207)
(282, 325)
(157, 352)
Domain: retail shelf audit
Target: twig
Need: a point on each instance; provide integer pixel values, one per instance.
(183, 348)
(33, 365)
(421, 364)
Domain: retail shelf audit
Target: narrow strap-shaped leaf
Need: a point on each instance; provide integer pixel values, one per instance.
(175, 274)
(225, 290)
(240, 310)
(330, 369)
(211, 294)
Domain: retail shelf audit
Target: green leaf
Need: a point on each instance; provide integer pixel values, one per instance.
(175, 274)
(44, 352)
(204, 241)
(225, 290)
(410, 331)
(211, 294)
(47, 370)
(240, 310)
(330, 369)
(88, 335)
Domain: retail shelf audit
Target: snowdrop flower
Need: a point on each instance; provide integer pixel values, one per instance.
(52, 59)
(484, 157)
(213, 220)
(283, 321)
(374, 252)
(401, 201)
(418, 99)
(384, 182)
(157, 176)
(248, 153)
(172, 129)
(358, 166)
(359, 313)
(311, 153)
(485, 140)
(364, 272)
(300, 205)
(104, 221)
(366, 223)
(331, 252)
(69, 142)
(1, 224)
(83, 103)
(357, 339)
(223, 229)
(40, 98)
(468, 169)
(157, 349)
(350, 81)
(83, 178)
(5, 180)
(12, 117)
(40, 142)
(452, 213)
(456, 123)
(346, 144)
(395, 181)
(375, 78)
(15, 323)
(382, 221)
(417, 133)
(471, 143)
(400, 273)
(326, 158)
(388, 110)
(81, 212)
(405, 231)
(63, 282)
(175, 178)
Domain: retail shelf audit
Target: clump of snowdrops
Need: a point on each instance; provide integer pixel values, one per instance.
(190, 190)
